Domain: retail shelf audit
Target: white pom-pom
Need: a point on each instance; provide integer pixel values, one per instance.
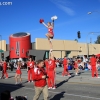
(54, 17)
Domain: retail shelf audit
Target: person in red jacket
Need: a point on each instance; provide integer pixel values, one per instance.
(93, 65)
(51, 72)
(40, 83)
(30, 69)
(5, 69)
(65, 65)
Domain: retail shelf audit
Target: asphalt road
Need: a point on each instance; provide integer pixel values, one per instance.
(81, 87)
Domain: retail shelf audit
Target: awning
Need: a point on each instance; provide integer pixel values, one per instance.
(1, 51)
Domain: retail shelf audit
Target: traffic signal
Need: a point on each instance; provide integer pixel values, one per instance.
(79, 34)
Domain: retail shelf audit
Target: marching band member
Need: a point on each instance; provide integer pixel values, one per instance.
(30, 69)
(18, 73)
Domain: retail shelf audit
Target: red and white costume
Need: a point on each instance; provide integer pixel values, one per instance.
(46, 65)
(18, 70)
(30, 66)
(75, 65)
(38, 73)
(5, 69)
(93, 65)
(50, 30)
(51, 73)
(65, 69)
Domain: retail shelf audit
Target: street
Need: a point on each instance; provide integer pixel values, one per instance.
(82, 87)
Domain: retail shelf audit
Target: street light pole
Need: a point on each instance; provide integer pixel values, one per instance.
(1, 41)
(88, 43)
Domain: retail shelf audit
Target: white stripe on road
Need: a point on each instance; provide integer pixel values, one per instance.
(81, 96)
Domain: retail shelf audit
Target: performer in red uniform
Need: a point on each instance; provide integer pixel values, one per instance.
(50, 34)
(65, 65)
(18, 73)
(5, 69)
(1, 65)
(46, 64)
(30, 69)
(51, 72)
(76, 67)
(93, 65)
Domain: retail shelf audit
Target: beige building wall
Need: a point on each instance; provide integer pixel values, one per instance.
(83, 48)
(73, 53)
(73, 46)
(94, 49)
(43, 44)
(70, 45)
(62, 45)
(3, 45)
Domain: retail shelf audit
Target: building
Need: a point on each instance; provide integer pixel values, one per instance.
(40, 48)
(67, 48)
(3, 45)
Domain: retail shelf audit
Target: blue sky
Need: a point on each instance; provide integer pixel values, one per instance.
(24, 15)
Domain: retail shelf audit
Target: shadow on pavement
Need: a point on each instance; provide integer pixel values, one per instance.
(61, 83)
(11, 76)
(10, 87)
(80, 73)
(64, 81)
(58, 96)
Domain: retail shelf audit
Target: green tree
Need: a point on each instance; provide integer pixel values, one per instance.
(76, 40)
(98, 40)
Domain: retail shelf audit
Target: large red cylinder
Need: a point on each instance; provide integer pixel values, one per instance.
(19, 43)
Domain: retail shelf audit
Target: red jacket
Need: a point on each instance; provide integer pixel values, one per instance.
(31, 64)
(38, 73)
